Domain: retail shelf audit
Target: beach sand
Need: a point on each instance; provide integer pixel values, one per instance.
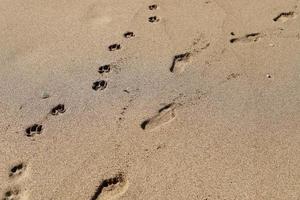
(150, 100)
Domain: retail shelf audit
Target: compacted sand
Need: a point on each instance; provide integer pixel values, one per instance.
(150, 100)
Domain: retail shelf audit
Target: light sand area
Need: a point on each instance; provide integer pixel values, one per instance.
(149, 100)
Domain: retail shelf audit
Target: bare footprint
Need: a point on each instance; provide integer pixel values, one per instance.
(14, 193)
(111, 188)
(33, 130)
(252, 37)
(153, 19)
(179, 62)
(165, 115)
(17, 170)
(59, 109)
(99, 85)
(285, 16)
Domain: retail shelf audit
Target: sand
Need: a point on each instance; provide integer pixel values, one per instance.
(136, 99)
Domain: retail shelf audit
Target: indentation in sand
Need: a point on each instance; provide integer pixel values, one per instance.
(59, 109)
(99, 85)
(129, 34)
(114, 47)
(232, 76)
(153, 19)
(165, 115)
(104, 69)
(179, 63)
(17, 170)
(111, 188)
(33, 130)
(285, 16)
(153, 7)
(251, 37)
(15, 193)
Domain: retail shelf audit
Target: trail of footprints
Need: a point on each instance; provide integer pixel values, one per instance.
(102, 84)
(109, 188)
(255, 37)
(180, 61)
(37, 128)
(116, 186)
(154, 18)
(15, 192)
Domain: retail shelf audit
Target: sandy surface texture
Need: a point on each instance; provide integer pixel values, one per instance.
(150, 100)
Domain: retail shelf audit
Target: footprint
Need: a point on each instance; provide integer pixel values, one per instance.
(129, 34)
(59, 109)
(111, 188)
(165, 115)
(153, 7)
(179, 62)
(285, 16)
(232, 76)
(17, 170)
(33, 130)
(99, 85)
(14, 193)
(252, 37)
(153, 19)
(114, 47)
(104, 69)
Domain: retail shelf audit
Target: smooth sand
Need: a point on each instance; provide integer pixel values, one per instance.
(201, 101)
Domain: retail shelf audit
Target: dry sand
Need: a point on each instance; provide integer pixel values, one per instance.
(200, 99)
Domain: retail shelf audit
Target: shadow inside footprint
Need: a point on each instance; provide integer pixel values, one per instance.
(153, 19)
(251, 37)
(284, 16)
(165, 115)
(129, 34)
(34, 129)
(175, 67)
(114, 47)
(153, 7)
(99, 85)
(144, 124)
(60, 108)
(12, 194)
(17, 170)
(232, 76)
(104, 69)
(111, 188)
